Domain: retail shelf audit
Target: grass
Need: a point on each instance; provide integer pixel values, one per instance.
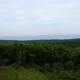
(12, 73)
(9, 73)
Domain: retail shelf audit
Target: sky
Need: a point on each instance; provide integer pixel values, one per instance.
(39, 17)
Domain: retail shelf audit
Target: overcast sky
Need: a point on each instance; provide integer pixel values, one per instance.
(39, 17)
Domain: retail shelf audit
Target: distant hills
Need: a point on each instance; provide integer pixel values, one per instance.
(40, 37)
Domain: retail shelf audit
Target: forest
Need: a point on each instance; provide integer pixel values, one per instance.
(52, 59)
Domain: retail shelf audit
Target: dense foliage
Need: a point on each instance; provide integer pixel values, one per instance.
(46, 56)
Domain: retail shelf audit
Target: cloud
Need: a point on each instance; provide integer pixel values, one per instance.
(35, 17)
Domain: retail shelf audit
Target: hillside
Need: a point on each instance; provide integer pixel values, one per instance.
(40, 59)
